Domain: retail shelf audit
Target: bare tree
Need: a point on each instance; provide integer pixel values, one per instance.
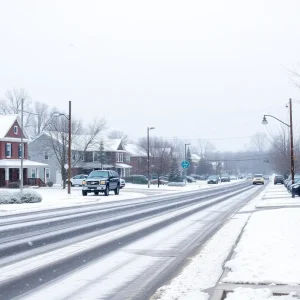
(40, 118)
(11, 104)
(259, 139)
(117, 134)
(205, 148)
(82, 140)
(160, 155)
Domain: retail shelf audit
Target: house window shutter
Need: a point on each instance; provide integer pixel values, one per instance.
(11, 150)
(19, 151)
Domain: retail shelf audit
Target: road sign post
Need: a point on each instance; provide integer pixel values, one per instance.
(185, 165)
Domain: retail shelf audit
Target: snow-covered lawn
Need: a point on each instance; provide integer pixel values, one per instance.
(205, 268)
(57, 197)
(269, 250)
(257, 294)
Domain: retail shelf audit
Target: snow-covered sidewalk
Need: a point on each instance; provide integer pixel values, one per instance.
(277, 195)
(268, 253)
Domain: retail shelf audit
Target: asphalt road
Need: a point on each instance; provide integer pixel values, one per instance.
(120, 250)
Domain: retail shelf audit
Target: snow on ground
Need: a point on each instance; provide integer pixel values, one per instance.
(205, 268)
(269, 250)
(257, 294)
(277, 195)
(57, 197)
(189, 186)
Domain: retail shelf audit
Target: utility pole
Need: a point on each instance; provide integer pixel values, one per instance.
(292, 144)
(69, 150)
(22, 147)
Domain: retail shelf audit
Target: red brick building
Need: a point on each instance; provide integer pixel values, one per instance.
(11, 151)
(138, 159)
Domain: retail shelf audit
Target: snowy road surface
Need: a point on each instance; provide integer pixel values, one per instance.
(115, 250)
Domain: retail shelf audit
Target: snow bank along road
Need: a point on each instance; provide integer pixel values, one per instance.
(119, 250)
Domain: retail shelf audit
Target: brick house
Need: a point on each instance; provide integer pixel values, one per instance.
(10, 155)
(116, 158)
(138, 159)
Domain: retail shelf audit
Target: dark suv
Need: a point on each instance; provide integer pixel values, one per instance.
(278, 179)
(101, 181)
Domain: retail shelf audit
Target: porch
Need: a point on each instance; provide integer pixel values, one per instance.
(10, 171)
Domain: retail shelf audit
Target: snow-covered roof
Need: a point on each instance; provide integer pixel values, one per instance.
(195, 156)
(80, 141)
(16, 163)
(135, 150)
(6, 122)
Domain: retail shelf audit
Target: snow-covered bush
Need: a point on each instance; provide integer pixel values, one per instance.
(7, 197)
(176, 184)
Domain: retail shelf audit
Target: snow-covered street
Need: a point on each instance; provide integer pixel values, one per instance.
(133, 245)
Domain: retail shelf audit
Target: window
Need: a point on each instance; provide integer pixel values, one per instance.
(33, 173)
(74, 156)
(15, 129)
(20, 150)
(119, 157)
(95, 156)
(127, 158)
(47, 173)
(82, 157)
(8, 150)
(46, 155)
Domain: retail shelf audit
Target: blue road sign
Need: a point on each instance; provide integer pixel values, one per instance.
(185, 164)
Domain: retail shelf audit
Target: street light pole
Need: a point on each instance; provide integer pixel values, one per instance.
(265, 122)
(148, 153)
(69, 150)
(292, 144)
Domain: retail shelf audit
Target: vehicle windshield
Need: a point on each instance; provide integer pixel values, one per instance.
(212, 177)
(258, 175)
(97, 174)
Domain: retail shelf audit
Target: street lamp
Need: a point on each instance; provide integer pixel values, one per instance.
(265, 122)
(185, 160)
(148, 153)
(68, 117)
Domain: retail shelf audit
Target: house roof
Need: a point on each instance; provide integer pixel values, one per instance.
(195, 156)
(135, 150)
(79, 142)
(16, 163)
(6, 122)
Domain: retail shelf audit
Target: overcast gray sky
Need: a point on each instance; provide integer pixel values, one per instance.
(193, 69)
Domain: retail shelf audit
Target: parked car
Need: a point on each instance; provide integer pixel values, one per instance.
(198, 177)
(266, 177)
(101, 181)
(278, 179)
(249, 176)
(258, 178)
(77, 180)
(225, 178)
(295, 188)
(190, 179)
(233, 177)
(122, 183)
(213, 179)
(289, 183)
